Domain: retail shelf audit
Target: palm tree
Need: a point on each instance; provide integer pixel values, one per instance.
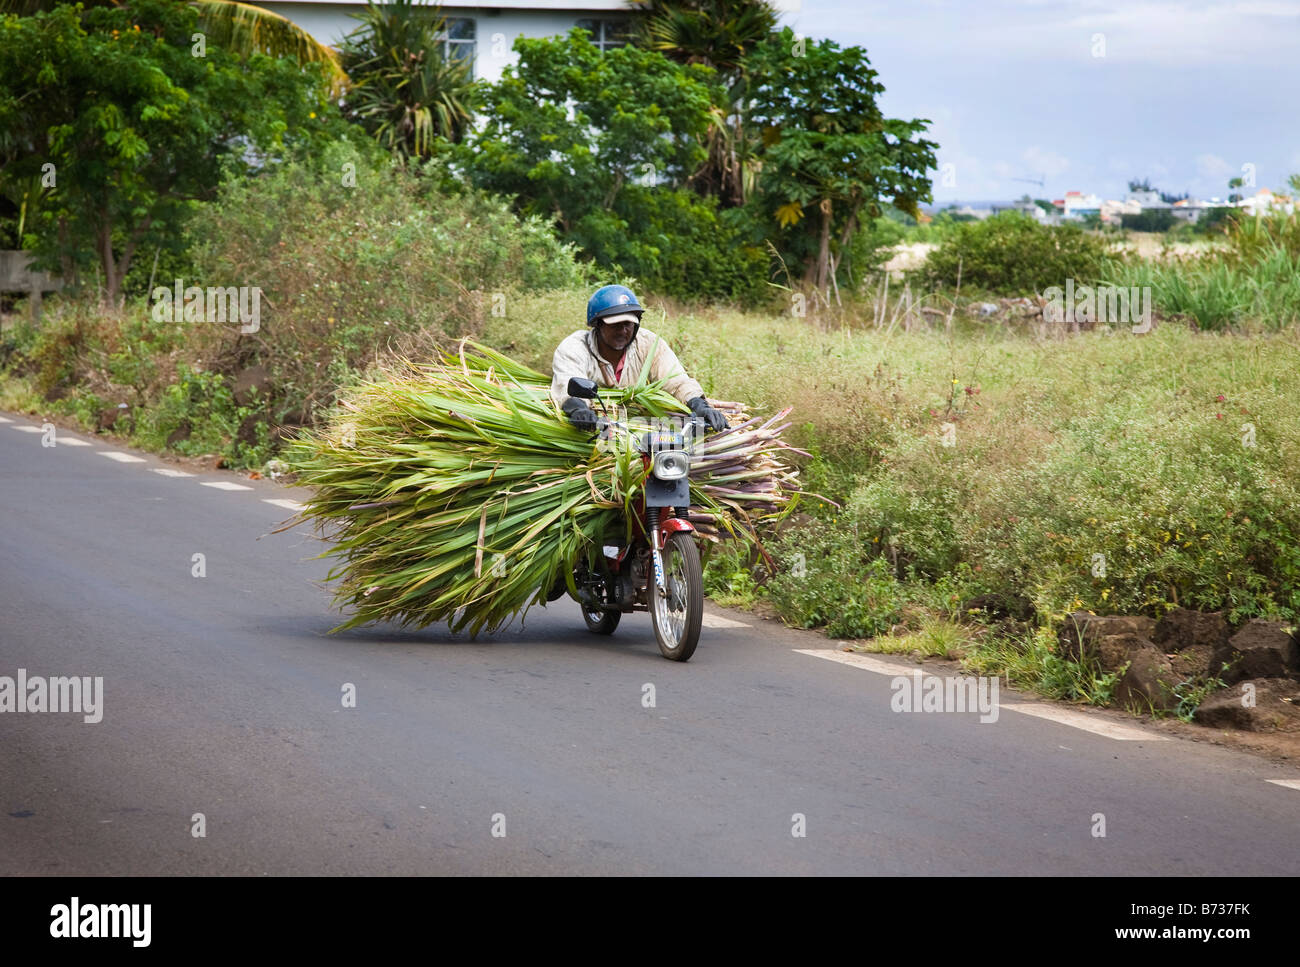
(241, 27)
(717, 34)
(405, 91)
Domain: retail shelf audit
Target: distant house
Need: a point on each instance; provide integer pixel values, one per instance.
(1077, 205)
(1025, 207)
(968, 212)
(481, 33)
(1264, 202)
(1146, 201)
(1112, 212)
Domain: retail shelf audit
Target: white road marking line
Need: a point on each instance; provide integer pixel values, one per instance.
(1088, 723)
(860, 661)
(28, 428)
(71, 441)
(169, 472)
(716, 621)
(1289, 783)
(120, 457)
(223, 485)
(290, 505)
(5, 419)
(1064, 716)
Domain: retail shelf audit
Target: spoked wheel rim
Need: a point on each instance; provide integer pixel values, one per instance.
(671, 608)
(678, 612)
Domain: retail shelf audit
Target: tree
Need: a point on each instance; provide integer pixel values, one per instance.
(127, 129)
(405, 92)
(830, 155)
(1143, 185)
(1149, 221)
(1233, 184)
(602, 143)
(715, 33)
(718, 34)
(244, 28)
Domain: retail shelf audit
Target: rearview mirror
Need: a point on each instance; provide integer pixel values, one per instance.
(583, 389)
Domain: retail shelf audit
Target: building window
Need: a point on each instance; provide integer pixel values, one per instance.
(458, 41)
(606, 34)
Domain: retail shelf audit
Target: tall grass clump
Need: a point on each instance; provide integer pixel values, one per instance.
(1253, 282)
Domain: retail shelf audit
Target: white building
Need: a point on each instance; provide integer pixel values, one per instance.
(1264, 202)
(1077, 205)
(482, 33)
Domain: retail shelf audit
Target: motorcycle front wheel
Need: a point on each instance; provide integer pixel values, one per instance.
(676, 616)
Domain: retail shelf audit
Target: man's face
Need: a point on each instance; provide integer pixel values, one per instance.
(615, 336)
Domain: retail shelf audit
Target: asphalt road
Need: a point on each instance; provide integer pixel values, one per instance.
(223, 696)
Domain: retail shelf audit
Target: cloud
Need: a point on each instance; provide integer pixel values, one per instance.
(1214, 168)
(1044, 162)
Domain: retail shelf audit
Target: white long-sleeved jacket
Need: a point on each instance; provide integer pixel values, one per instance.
(577, 356)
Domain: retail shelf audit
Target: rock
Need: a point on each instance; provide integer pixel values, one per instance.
(1149, 679)
(107, 417)
(247, 432)
(1089, 628)
(1113, 652)
(1261, 649)
(1183, 628)
(182, 432)
(997, 605)
(1192, 662)
(1271, 711)
(252, 381)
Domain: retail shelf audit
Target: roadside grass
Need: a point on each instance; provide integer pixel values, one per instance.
(937, 638)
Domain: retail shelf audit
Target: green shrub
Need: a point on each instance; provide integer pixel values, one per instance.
(1149, 221)
(1011, 253)
(828, 577)
(200, 408)
(350, 256)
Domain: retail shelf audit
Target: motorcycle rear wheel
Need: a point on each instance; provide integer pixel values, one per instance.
(677, 617)
(601, 622)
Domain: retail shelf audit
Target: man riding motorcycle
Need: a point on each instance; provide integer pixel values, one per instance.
(612, 351)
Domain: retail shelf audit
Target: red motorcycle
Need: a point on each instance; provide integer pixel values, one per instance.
(660, 570)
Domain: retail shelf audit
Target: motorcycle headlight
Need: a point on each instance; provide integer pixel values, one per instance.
(671, 465)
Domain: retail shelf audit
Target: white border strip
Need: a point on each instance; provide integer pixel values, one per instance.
(1064, 716)
(283, 502)
(717, 621)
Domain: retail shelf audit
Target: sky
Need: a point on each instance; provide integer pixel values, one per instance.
(1085, 96)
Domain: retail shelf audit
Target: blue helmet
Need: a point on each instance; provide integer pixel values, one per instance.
(612, 300)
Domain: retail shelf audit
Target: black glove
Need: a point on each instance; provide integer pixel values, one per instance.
(714, 418)
(580, 414)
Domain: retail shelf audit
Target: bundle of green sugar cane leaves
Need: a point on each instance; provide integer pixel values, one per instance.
(457, 491)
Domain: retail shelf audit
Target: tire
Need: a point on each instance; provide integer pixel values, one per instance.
(601, 622)
(678, 628)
